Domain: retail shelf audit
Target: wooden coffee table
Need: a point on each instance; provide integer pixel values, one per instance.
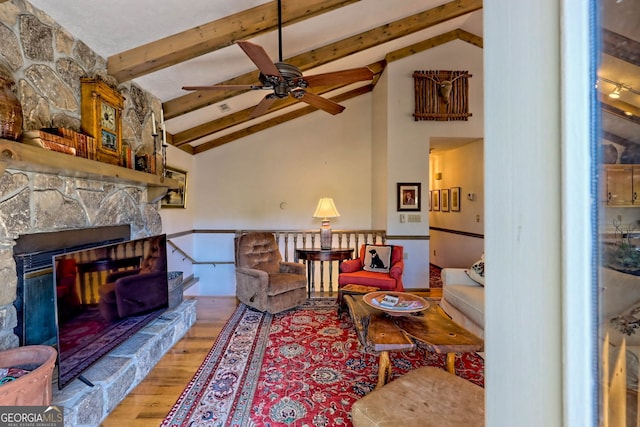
(380, 332)
(352, 289)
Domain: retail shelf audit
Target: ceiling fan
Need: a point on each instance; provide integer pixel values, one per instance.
(286, 80)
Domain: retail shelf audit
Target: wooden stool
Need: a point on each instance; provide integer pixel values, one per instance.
(351, 289)
(427, 396)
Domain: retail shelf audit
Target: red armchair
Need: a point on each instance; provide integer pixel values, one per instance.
(364, 271)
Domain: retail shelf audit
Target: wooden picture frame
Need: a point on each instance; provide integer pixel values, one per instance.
(444, 200)
(455, 199)
(175, 197)
(409, 196)
(435, 200)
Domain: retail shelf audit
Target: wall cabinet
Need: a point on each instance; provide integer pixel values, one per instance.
(622, 185)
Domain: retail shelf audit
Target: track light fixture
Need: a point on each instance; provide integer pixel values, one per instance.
(616, 92)
(618, 87)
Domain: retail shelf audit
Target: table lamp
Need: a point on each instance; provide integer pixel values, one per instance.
(326, 209)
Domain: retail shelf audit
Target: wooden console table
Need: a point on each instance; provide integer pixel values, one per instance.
(309, 256)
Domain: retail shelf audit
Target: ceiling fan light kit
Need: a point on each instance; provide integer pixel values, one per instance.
(290, 78)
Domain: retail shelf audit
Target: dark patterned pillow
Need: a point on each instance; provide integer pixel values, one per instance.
(476, 272)
(377, 258)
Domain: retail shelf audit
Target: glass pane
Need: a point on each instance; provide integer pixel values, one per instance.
(618, 89)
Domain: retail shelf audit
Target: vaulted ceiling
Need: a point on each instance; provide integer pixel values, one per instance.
(163, 46)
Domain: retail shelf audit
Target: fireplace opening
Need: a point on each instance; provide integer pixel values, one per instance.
(33, 254)
(89, 297)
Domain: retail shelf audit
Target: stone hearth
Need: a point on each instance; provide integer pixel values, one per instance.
(118, 373)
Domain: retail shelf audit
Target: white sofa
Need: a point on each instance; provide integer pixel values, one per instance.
(463, 299)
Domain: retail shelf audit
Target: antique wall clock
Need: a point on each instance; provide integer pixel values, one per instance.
(101, 107)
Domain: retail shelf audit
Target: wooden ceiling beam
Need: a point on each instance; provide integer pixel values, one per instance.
(214, 35)
(432, 42)
(621, 47)
(276, 121)
(332, 52)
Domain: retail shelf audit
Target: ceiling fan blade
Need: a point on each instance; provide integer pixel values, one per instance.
(319, 102)
(340, 77)
(216, 87)
(262, 106)
(259, 57)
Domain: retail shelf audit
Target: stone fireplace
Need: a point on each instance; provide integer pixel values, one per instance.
(35, 203)
(45, 62)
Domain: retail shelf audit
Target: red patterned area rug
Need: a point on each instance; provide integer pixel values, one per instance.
(302, 367)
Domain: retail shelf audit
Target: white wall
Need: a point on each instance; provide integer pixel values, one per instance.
(179, 220)
(523, 322)
(244, 183)
(379, 157)
(274, 179)
(407, 141)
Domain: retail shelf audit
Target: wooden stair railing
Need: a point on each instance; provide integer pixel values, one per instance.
(289, 241)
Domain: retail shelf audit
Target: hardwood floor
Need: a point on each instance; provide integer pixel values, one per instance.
(152, 399)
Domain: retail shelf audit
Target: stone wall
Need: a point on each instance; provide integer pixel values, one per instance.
(46, 63)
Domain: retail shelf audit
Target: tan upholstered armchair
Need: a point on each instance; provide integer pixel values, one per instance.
(263, 280)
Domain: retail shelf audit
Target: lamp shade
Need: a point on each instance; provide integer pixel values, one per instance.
(326, 209)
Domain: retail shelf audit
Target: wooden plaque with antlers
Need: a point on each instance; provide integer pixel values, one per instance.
(442, 95)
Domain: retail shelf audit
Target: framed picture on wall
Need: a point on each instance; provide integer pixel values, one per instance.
(176, 197)
(409, 196)
(435, 200)
(444, 200)
(430, 203)
(455, 199)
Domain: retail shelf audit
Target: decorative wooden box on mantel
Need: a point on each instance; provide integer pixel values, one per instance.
(15, 155)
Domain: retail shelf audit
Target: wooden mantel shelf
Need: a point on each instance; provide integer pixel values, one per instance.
(15, 155)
